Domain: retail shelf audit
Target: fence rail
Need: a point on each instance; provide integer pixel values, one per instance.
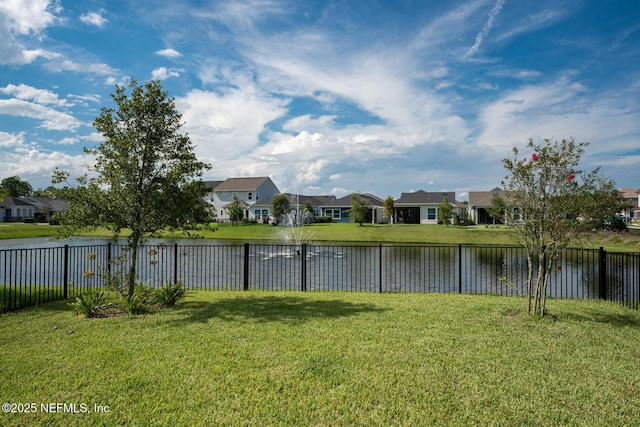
(33, 276)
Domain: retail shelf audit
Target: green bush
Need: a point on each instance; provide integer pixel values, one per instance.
(169, 294)
(90, 303)
(140, 302)
(322, 219)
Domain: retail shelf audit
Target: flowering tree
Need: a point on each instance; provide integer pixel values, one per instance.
(552, 202)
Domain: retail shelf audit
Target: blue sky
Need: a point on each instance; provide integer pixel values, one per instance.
(330, 97)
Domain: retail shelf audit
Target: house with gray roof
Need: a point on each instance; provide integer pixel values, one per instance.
(249, 191)
(262, 211)
(339, 209)
(421, 207)
(19, 209)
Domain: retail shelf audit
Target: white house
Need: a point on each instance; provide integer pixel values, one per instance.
(421, 207)
(18, 209)
(249, 191)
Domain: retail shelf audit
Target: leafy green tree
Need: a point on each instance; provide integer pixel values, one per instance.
(13, 186)
(553, 198)
(359, 208)
(146, 176)
(388, 205)
(280, 206)
(498, 208)
(234, 210)
(445, 211)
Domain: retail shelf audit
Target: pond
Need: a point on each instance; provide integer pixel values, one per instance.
(217, 264)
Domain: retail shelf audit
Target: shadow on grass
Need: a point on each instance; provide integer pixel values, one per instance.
(269, 309)
(630, 319)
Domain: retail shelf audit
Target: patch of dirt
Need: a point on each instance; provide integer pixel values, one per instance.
(109, 313)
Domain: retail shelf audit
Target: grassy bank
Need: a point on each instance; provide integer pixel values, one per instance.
(327, 359)
(340, 232)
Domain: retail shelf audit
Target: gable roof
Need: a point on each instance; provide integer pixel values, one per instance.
(423, 197)
(241, 184)
(629, 193)
(302, 199)
(484, 198)
(36, 202)
(211, 185)
(346, 200)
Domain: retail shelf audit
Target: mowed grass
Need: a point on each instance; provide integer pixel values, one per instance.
(353, 233)
(329, 359)
(15, 297)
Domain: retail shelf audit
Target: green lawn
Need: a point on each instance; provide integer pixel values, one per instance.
(368, 233)
(232, 358)
(17, 296)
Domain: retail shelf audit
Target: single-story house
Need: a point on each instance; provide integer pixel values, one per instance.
(249, 191)
(262, 211)
(339, 209)
(480, 204)
(18, 209)
(421, 207)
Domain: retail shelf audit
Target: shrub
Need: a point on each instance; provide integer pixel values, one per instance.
(90, 303)
(322, 219)
(140, 302)
(169, 294)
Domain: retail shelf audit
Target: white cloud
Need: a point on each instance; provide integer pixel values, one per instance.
(51, 119)
(28, 16)
(169, 53)
(40, 96)
(557, 110)
(485, 30)
(162, 73)
(11, 140)
(22, 19)
(95, 18)
(226, 124)
(90, 68)
(36, 166)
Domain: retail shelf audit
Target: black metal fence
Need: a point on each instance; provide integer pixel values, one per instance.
(33, 276)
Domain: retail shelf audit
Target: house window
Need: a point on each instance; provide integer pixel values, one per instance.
(431, 214)
(257, 213)
(334, 213)
(250, 196)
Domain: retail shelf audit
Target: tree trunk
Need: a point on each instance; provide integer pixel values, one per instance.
(131, 276)
(529, 282)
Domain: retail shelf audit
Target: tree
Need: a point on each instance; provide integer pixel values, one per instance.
(15, 187)
(147, 177)
(498, 208)
(445, 211)
(280, 206)
(307, 211)
(234, 210)
(553, 198)
(359, 208)
(388, 208)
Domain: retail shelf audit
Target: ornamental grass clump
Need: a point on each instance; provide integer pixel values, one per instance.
(91, 303)
(169, 295)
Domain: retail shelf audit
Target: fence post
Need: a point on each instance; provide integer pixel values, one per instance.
(380, 265)
(459, 268)
(602, 273)
(246, 267)
(175, 264)
(109, 260)
(303, 268)
(65, 276)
